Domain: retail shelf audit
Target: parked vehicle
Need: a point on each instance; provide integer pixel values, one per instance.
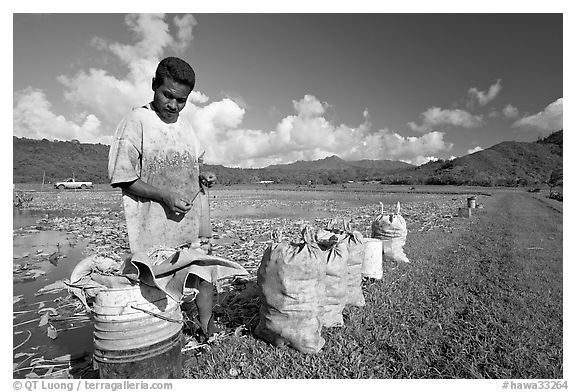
(71, 183)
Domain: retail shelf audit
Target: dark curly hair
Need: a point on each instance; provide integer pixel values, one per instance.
(177, 69)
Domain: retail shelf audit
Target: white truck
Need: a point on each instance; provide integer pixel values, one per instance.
(71, 183)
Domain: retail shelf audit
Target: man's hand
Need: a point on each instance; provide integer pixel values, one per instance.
(208, 179)
(176, 203)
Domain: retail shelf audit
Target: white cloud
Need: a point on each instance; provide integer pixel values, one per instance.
(420, 160)
(236, 97)
(550, 119)
(510, 111)
(185, 25)
(111, 97)
(305, 135)
(436, 117)
(475, 149)
(308, 106)
(198, 97)
(483, 97)
(33, 118)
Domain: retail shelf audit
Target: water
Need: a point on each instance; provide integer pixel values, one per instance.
(269, 212)
(24, 218)
(32, 247)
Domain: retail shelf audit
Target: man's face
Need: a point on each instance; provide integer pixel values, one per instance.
(169, 99)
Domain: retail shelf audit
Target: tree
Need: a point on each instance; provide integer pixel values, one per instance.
(555, 179)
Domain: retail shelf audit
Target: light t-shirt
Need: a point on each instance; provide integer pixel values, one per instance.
(162, 155)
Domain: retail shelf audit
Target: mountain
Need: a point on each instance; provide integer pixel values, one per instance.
(56, 160)
(335, 163)
(507, 163)
(328, 163)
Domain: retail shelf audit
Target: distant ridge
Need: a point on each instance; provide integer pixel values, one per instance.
(507, 163)
(334, 162)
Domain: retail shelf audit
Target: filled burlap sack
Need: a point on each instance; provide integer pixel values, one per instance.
(291, 287)
(335, 282)
(354, 244)
(391, 229)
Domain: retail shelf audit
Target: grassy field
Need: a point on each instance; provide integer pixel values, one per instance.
(481, 298)
(481, 301)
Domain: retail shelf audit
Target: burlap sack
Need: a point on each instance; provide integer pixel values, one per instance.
(354, 242)
(291, 287)
(335, 283)
(391, 229)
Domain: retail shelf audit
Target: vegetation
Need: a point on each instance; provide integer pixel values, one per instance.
(505, 164)
(21, 199)
(555, 179)
(43, 160)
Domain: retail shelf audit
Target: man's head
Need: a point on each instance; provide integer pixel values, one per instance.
(173, 82)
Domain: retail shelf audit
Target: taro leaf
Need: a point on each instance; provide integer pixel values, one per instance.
(63, 358)
(52, 288)
(44, 319)
(22, 354)
(17, 298)
(52, 311)
(36, 361)
(52, 333)
(53, 258)
(32, 375)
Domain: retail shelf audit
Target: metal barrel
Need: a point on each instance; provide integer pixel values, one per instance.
(137, 333)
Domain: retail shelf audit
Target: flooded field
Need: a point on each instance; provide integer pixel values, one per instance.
(60, 228)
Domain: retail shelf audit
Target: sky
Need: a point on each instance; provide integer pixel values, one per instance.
(276, 88)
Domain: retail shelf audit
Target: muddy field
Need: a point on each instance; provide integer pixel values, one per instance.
(59, 228)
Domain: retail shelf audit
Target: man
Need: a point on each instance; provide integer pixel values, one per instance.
(154, 159)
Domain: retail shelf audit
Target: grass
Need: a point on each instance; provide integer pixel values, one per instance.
(484, 301)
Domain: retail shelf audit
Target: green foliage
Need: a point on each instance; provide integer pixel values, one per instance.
(555, 179)
(21, 199)
(34, 160)
(505, 164)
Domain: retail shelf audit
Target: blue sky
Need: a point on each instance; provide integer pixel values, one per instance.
(275, 88)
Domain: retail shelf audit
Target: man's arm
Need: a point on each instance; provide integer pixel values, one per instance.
(175, 202)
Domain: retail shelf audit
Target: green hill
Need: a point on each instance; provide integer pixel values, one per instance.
(57, 160)
(507, 164)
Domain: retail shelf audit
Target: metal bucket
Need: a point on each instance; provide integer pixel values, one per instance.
(372, 264)
(137, 333)
(472, 202)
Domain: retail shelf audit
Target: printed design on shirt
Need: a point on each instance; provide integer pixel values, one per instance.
(173, 161)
